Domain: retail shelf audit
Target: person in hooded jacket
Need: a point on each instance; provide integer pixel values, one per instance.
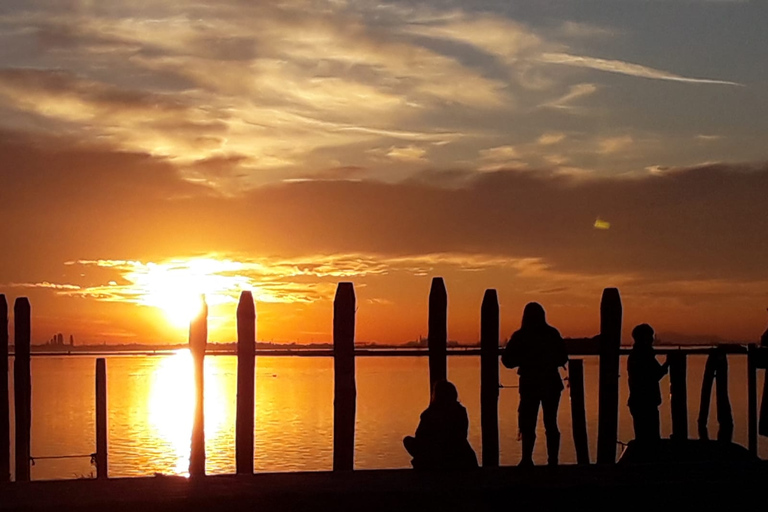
(537, 351)
(441, 437)
(644, 373)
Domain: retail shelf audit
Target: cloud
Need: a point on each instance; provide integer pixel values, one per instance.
(575, 91)
(624, 68)
(407, 154)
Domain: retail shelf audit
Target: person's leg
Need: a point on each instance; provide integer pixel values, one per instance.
(527, 412)
(550, 405)
(654, 423)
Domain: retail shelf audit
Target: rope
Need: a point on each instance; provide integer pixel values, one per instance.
(92, 456)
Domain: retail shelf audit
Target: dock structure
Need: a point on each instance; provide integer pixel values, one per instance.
(246, 487)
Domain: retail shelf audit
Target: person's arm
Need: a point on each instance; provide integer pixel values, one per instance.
(510, 357)
(561, 354)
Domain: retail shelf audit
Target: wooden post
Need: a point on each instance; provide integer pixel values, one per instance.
(246, 351)
(5, 410)
(724, 414)
(608, 411)
(345, 389)
(706, 395)
(752, 399)
(678, 369)
(198, 340)
(22, 385)
(102, 468)
(578, 410)
(489, 378)
(438, 332)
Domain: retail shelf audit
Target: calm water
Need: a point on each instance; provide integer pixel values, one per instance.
(151, 403)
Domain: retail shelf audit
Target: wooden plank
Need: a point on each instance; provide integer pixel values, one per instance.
(198, 339)
(5, 408)
(706, 395)
(578, 410)
(608, 410)
(102, 464)
(724, 413)
(751, 400)
(438, 332)
(489, 378)
(345, 387)
(22, 386)
(246, 352)
(678, 374)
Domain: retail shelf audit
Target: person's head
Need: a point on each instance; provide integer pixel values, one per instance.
(533, 316)
(643, 335)
(444, 393)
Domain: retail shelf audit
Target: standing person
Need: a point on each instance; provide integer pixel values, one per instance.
(644, 373)
(441, 437)
(537, 351)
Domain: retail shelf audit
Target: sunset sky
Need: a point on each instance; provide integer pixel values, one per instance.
(152, 151)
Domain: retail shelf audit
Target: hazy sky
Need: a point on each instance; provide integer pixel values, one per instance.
(150, 151)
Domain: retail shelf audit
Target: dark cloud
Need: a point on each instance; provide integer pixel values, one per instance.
(63, 203)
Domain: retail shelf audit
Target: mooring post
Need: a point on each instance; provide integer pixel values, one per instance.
(5, 409)
(22, 386)
(724, 413)
(438, 332)
(761, 360)
(706, 395)
(578, 410)
(246, 351)
(752, 398)
(608, 408)
(102, 468)
(489, 378)
(345, 388)
(678, 370)
(198, 340)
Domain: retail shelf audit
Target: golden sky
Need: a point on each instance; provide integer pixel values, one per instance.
(150, 152)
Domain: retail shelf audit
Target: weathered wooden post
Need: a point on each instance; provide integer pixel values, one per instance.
(246, 351)
(578, 410)
(198, 340)
(345, 389)
(706, 395)
(5, 409)
(489, 378)
(102, 468)
(678, 370)
(608, 411)
(752, 398)
(22, 386)
(438, 332)
(724, 414)
(761, 355)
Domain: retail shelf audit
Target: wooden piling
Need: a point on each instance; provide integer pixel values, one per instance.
(246, 351)
(578, 410)
(706, 395)
(198, 340)
(724, 414)
(22, 386)
(610, 340)
(489, 378)
(438, 332)
(751, 399)
(678, 370)
(102, 468)
(345, 388)
(5, 410)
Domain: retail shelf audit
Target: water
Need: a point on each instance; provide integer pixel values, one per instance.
(151, 403)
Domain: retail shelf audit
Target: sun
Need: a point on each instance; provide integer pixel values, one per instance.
(176, 287)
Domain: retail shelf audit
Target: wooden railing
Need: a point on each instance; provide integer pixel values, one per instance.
(606, 346)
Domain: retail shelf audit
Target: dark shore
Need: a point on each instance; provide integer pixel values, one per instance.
(640, 487)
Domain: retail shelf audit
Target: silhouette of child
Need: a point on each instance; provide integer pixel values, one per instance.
(537, 350)
(644, 373)
(441, 437)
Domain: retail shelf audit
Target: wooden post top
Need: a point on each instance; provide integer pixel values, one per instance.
(198, 329)
(245, 307)
(437, 291)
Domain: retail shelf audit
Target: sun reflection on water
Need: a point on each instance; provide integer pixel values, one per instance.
(172, 405)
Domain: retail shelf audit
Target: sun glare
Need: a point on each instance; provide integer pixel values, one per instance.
(176, 287)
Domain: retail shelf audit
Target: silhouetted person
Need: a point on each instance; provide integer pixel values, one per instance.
(537, 351)
(644, 373)
(441, 437)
